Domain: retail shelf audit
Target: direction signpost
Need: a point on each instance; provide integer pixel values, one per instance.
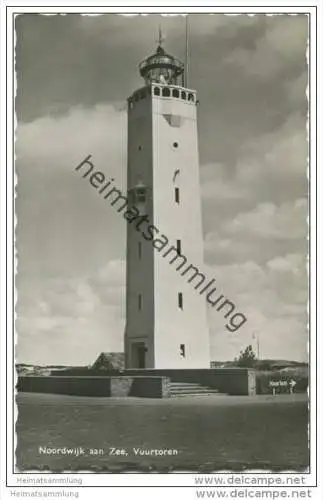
(274, 384)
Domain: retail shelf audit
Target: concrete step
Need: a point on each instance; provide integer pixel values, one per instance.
(202, 390)
(183, 394)
(193, 388)
(186, 389)
(185, 384)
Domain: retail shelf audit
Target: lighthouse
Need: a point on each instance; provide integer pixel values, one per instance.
(166, 317)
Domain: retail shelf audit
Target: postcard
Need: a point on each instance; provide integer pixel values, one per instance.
(163, 220)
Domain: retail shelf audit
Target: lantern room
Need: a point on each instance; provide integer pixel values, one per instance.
(162, 68)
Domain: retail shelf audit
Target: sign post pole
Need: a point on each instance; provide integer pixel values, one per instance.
(292, 384)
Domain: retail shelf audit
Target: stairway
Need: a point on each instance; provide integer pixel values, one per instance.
(190, 389)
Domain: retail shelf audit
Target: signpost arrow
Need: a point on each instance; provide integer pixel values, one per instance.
(292, 384)
(274, 384)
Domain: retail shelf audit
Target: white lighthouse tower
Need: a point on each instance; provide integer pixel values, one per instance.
(166, 321)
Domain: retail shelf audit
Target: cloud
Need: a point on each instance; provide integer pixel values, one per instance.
(282, 43)
(69, 241)
(296, 89)
(250, 72)
(269, 222)
(63, 224)
(144, 28)
(257, 208)
(61, 142)
(71, 321)
(72, 240)
(274, 299)
(271, 168)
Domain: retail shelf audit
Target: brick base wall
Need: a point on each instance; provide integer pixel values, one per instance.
(142, 383)
(121, 386)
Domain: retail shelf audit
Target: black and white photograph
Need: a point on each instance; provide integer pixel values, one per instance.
(162, 224)
(162, 241)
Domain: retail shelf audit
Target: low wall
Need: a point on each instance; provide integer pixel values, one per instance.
(150, 387)
(84, 371)
(140, 386)
(121, 386)
(233, 381)
(75, 386)
(141, 383)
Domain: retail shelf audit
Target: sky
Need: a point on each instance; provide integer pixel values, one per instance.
(74, 74)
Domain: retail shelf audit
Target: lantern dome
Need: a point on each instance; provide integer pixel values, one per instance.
(161, 67)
